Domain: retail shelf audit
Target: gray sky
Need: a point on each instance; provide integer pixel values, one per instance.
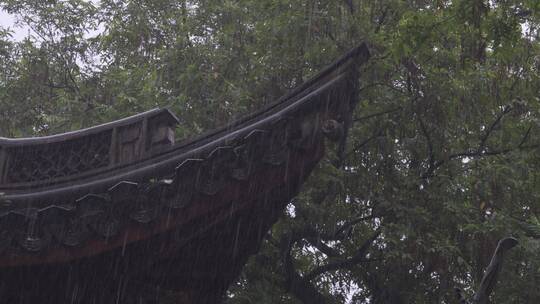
(8, 21)
(21, 32)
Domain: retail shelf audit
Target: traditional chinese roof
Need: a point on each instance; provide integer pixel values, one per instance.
(120, 209)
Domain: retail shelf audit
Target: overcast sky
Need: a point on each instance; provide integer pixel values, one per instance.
(21, 32)
(8, 21)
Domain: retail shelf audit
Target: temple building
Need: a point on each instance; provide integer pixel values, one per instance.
(124, 212)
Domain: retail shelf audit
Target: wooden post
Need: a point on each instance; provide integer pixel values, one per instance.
(3, 164)
(489, 280)
(492, 271)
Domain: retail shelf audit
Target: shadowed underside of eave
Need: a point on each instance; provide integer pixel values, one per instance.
(194, 262)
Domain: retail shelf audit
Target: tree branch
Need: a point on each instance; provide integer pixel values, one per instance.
(525, 137)
(431, 155)
(352, 223)
(342, 263)
(365, 142)
(350, 5)
(480, 150)
(294, 283)
(377, 114)
(381, 19)
(494, 124)
(322, 247)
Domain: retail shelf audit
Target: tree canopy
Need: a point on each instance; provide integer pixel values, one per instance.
(441, 162)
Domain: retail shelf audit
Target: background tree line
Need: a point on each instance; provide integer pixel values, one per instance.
(442, 160)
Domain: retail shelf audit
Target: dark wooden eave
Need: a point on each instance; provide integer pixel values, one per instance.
(120, 192)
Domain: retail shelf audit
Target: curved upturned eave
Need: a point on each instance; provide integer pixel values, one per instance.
(167, 219)
(162, 163)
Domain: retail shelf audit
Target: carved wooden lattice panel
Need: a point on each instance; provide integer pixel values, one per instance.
(49, 161)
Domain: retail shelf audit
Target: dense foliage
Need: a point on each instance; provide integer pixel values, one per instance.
(442, 161)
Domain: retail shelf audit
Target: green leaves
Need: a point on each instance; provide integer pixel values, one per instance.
(440, 169)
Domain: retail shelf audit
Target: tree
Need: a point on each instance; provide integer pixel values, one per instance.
(440, 164)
